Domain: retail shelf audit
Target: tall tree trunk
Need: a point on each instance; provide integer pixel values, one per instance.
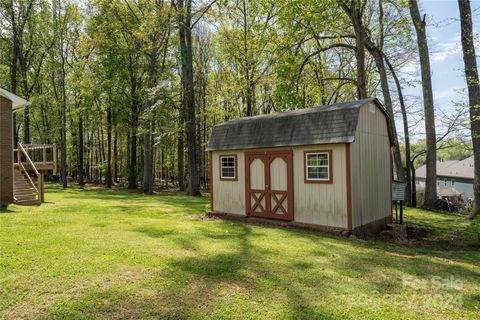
(413, 185)
(63, 160)
(127, 150)
(109, 147)
(14, 66)
(132, 174)
(149, 124)
(204, 154)
(26, 111)
(471, 74)
(89, 156)
(429, 110)
(81, 179)
(185, 35)
(100, 157)
(26, 125)
(103, 158)
(134, 105)
(199, 149)
(180, 152)
(115, 156)
(354, 10)
(148, 159)
(248, 91)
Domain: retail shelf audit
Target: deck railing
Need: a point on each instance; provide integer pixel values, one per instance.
(26, 167)
(44, 156)
(33, 160)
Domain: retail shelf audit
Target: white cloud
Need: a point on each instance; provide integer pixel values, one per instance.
(452, 93)
(446, 49)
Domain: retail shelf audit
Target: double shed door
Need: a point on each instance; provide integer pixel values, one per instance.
(269, 184)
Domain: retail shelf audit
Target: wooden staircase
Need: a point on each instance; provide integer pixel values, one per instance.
(24, 192)
(28, 182)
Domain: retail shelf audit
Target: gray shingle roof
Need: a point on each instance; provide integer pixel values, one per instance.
(335, 123)
(450, 168)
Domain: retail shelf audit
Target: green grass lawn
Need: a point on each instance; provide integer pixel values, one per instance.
(96, 254)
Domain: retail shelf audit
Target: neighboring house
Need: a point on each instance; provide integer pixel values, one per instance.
(452, 175)
(328, 166)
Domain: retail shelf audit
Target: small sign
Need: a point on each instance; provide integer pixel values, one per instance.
(398, 190)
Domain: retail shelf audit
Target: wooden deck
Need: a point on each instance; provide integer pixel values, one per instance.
(43, 156)
(31, 162)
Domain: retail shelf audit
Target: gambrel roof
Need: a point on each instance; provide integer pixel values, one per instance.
(336, 123)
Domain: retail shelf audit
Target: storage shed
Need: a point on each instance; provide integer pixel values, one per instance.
(327, 166)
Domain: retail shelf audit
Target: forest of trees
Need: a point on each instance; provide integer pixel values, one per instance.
(129, 90)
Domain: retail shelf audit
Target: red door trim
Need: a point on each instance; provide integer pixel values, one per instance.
(349, 188)
(246, 160)
(267, 157)
(211, 179)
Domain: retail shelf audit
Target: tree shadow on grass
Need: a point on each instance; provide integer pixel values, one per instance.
(185, 289)
(194, 281)
(193, 286)
(376, 263)
(246, 266)
(471, 301)
(220, 265)
(118, 303)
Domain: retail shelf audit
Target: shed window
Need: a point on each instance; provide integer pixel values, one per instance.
(318, 166)
(228, 167)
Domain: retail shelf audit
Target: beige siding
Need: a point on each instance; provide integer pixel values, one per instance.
(322, 204)
(370, 168)
(229, 196)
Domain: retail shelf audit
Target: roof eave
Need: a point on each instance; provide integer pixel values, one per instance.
(18, 104)
(345, 140)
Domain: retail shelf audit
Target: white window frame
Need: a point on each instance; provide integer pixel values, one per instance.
(234, 156)
(328, 166)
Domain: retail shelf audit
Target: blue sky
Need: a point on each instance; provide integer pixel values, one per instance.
(446, 58)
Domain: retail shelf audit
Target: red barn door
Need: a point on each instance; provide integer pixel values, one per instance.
(269, 184)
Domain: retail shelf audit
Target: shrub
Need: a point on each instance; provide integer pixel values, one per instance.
(467, 209)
